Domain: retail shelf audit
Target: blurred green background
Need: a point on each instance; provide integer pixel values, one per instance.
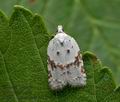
(95, 24)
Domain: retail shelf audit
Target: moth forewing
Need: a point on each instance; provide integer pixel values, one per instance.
(65, 64)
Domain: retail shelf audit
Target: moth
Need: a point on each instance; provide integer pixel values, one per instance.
(65, 64)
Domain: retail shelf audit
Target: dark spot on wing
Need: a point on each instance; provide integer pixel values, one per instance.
(61, 43)
(64, 73)
(68, 50)
(68, 72)
(58, 52)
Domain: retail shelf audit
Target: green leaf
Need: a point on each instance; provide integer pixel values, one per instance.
(6, 88)
(5, 35)
(7, 5)
(23, 61)
(94, 24)
(23, 66)
(114, 96)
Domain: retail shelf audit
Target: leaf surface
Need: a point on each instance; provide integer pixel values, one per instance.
(23, 67)
(94, 24)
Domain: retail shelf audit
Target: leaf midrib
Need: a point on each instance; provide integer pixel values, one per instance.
(94, 85)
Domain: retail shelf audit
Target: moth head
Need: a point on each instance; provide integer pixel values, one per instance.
(61, 35)
(60, 29)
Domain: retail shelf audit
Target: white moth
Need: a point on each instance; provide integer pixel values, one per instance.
(65, 64)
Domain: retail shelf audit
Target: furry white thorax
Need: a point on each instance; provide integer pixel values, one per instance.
(61, 35)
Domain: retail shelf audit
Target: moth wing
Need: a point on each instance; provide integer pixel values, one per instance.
(56, 74)
(75, 73)
(56, 78)
(50, 49)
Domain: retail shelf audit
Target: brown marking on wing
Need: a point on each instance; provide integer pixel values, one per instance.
(78, 59)
(60, 66)
(49, 74)
(52, 63)
(77, 62)
(67, 66)
(82, 69)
